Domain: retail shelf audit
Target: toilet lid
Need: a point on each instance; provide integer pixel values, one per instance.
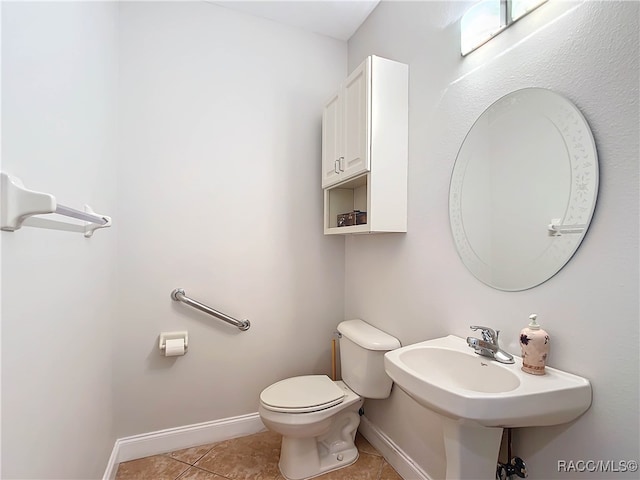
(308, 393)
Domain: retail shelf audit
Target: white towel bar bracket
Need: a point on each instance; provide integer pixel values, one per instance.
(556, 228)
(19, 203)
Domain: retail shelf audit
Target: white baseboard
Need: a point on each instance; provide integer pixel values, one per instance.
(393, 454)
(162, 441)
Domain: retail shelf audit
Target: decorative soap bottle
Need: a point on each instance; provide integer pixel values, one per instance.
(535, 347)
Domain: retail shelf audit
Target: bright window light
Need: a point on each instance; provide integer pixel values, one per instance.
(479, 24)
(488, 18)
(519, 8)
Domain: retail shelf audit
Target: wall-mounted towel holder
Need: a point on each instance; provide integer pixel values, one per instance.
(19, 203)
(556, 228)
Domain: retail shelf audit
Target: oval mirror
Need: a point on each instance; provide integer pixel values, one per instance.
(523, 189)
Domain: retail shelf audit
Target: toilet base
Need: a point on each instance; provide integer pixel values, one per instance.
(304, 458)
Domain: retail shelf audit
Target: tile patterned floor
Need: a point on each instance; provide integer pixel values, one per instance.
(254, 457)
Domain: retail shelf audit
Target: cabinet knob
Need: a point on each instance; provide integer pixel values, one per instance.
(336, 166)
(341, 164)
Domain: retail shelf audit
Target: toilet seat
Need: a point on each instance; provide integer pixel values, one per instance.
(304, 394)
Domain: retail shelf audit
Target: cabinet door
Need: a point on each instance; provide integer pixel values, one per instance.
(355, 158)
(331, 141)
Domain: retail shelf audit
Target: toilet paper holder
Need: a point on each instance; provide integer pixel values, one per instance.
(164, 336)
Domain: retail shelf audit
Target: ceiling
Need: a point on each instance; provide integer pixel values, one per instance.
(334, 18)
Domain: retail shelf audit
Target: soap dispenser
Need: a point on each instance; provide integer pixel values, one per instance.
(535, 347)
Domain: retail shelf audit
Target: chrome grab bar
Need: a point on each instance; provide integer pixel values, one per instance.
(179, 296)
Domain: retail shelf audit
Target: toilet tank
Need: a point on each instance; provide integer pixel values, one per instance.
(362, 349)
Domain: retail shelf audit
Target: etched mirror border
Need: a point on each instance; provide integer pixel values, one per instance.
(582, 156)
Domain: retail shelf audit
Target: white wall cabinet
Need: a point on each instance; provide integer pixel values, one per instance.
(365, 148)
(345, 140)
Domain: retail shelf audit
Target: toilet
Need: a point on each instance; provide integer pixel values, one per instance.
(318, 417)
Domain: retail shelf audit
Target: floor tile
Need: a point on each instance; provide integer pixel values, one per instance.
(195, 473)
(191, 455)
(158, 467)
(388, 473)
(254, 457)
(364, 446)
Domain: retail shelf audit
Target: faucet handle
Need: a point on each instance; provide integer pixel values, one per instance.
(488, 334)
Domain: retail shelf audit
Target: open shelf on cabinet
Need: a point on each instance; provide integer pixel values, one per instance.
(344, 198)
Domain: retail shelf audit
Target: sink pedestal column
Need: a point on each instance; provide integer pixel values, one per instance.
(472, 451)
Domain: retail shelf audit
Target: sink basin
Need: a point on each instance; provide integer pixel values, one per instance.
(459, 370)
(477, 397)
(447, 376)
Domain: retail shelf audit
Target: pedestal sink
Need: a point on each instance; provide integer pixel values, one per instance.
(478, 397)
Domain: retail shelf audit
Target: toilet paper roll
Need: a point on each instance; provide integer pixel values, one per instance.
(174, 347)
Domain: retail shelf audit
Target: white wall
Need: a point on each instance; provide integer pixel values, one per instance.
(59, 85)
(219, 194)
(214, 186)
(415, 287)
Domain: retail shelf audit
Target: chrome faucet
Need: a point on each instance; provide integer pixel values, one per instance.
(488, 346)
